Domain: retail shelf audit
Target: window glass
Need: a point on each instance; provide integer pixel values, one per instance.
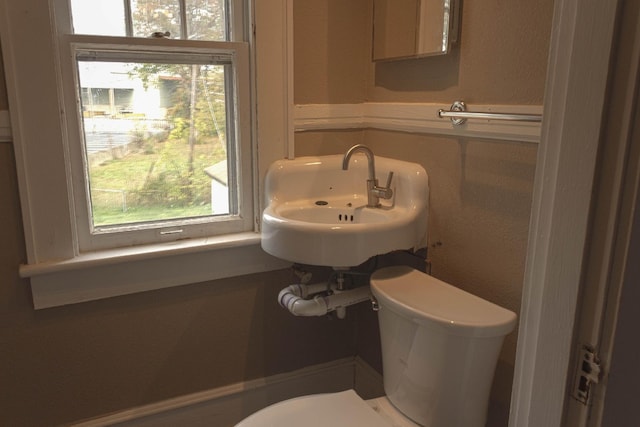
(207, 20)
(178, 19)
(99, 17)
(155, 141)
(65, 261)
(156, 16)
(161, 145)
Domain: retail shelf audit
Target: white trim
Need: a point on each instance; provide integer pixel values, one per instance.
(229, 404)
(582, 36)
(274, 94)
(416, 118)
(114, 49)
(328, 116)
(289, 76)
(5, 126)
(140, 253)
(49, 230)
(93, 277)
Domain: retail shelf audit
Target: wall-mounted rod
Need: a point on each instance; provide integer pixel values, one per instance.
(491, 116)
(459, 115)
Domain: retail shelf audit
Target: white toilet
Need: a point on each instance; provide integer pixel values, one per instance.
(440, 347)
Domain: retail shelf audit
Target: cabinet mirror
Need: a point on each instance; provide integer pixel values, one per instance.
(414, 28)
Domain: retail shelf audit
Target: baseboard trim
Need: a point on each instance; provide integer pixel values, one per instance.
(416, 118)
(225, 406)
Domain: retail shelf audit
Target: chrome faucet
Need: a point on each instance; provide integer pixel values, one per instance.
(374, 193)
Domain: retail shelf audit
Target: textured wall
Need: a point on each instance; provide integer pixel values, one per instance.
(480, 200)
(480, 189)
(4, 105)
(69, 363)
(501, 59)
(330, 49)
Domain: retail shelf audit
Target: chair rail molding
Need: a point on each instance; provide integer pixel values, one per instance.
(416, 118)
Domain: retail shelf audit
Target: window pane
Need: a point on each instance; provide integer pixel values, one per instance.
(206, 20)
(98, 17)
(155, 141)
(151, 16)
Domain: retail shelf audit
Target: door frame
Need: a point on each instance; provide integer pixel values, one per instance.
(614, 223)
(581, 43)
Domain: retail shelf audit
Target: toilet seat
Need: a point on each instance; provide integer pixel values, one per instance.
(342, 409)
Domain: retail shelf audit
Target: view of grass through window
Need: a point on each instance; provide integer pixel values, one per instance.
(154, 132)
(155, 138)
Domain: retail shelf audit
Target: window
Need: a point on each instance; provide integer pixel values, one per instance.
(158, 142)
(80, 86)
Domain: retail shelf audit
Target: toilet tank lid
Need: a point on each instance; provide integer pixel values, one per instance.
(423, 298)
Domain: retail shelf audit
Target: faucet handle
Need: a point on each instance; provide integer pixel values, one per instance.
(385, 192)
(389, 178)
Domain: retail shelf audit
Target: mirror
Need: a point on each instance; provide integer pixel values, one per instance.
(413, 28)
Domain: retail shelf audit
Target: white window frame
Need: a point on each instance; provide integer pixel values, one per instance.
(118, 236)
(60, 273)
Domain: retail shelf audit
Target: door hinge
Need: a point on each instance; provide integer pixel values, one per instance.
(587, 373)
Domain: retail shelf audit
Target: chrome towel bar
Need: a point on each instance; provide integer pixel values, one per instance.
(459, 115)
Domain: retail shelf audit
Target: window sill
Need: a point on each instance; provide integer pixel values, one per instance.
(110, 273)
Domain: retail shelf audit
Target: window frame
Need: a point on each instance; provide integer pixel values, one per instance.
(238, 55)
(236, 50)
(59, 272)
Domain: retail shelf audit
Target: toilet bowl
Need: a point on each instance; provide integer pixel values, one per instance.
(440, 346)
(342, 409)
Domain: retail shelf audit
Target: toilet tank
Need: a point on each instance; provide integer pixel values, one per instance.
(440, 346)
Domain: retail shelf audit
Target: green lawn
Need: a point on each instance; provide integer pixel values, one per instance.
(103, 215)
(154, 183)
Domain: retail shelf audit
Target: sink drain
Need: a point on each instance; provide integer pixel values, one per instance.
(322, 203)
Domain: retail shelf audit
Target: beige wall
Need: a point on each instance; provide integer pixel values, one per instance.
(64, 364)
(480, 198)
(69, 363)
(480, 189)
(331, 58)
(4, 105)
(501, 57)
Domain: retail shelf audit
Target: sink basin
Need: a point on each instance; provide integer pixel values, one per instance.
(316, 212)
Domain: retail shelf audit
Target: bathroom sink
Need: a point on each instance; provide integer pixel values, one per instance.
(338, 212)
(316, 213)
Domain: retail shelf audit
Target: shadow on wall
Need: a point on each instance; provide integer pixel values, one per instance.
(279, 342)
(432, 74)
(498, 179)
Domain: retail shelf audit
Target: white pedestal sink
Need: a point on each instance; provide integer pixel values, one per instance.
(316, 212)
